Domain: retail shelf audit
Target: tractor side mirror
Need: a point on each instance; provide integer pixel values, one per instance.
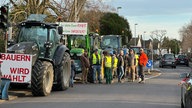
(60, 30)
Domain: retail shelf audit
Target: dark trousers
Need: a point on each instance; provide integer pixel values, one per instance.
(141, 72)
(108, 75)
(72, 75)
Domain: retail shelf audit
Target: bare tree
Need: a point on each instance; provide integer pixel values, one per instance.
(186, 37)
(159, 35)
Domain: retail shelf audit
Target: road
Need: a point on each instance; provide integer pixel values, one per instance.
(159, 92)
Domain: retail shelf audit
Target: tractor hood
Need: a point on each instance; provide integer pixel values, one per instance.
(25, 48)
(76, 51)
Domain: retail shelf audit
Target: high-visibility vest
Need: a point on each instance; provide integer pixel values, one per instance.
(136, 57)
(108, 61)
(94, 61)
(115, 62)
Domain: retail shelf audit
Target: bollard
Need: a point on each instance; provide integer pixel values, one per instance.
(4, 87)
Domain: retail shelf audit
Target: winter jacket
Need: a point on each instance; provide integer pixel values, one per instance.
(143, 59)
(84, 61)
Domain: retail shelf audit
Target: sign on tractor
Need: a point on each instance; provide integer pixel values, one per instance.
(72, 28)
(16, 67)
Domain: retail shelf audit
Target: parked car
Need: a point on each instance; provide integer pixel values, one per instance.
(167, 60)
(186, 90)
(182, 59)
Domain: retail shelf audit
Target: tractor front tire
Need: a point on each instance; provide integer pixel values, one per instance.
(63, 73)
(42, 78)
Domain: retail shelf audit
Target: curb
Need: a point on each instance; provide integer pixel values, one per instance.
(154, 76)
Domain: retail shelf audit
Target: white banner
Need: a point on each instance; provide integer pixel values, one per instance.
(16, 67)
(74, 28)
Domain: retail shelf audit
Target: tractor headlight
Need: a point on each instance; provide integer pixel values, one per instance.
(79, 54)
(21, 51)
(71, 54)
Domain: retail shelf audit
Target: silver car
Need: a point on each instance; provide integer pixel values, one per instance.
(167, 60)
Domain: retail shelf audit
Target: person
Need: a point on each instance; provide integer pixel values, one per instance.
(96, 65)
(136, 65)
(72, 73)
(120, 66)
(143, 59)
(85, 66)
(108, 67)
(114, 65)
(126, 65)
(131, 61)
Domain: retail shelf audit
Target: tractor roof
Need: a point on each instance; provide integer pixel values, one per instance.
(38, 20)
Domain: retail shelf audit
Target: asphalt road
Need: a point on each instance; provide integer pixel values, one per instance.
(159, 92)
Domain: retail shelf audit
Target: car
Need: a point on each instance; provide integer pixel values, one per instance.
(167, 60)
(186, 90)
(183, 60)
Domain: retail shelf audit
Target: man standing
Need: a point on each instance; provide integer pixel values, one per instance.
(85, 66)
(114, 64)
(120, 65)
(142, 63)
(131, 61)
(136, 65)
(108, 67)
(96, 65)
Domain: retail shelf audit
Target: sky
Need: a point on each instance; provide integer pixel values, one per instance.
(151, 15)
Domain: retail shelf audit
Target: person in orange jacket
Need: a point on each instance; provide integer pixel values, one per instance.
(143, 59)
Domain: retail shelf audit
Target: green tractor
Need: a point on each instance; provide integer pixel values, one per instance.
(51, 62)
(78, 43)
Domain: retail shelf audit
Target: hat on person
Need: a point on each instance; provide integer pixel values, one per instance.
(96, 50)
(111, 52)
(141, 49)
(130, 49)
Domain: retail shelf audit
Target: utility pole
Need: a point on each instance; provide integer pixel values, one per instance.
(135, 33)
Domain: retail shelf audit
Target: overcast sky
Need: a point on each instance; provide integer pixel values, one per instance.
(150, 15)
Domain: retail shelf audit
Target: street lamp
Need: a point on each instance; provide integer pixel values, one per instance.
(118, 9)
(135, 33)
(144, 39)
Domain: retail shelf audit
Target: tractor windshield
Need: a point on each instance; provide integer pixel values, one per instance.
(33, 33)
(78, 41)
(109, 41)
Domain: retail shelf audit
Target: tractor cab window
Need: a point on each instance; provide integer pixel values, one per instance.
(34, 33)
(109, 41)
(78, 41)
(54, 37)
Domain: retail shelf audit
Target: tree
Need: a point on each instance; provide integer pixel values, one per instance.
(159, 35)
(186, 37)
(112, 23)
(172, 44)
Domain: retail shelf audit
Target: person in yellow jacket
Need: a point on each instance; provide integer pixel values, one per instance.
(108, 67)
(96, 65)
(136, 65)
(114, 65)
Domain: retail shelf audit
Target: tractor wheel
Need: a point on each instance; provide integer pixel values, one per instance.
(42, 78)
(63, 73)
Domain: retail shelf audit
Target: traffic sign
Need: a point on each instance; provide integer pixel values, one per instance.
(149, 64)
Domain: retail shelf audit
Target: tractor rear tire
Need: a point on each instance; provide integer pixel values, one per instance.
(63, 73)
(42, 78)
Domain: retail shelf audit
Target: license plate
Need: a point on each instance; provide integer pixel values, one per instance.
(181, 61)
(169, 62)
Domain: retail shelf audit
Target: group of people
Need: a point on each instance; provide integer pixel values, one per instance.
(130, 66)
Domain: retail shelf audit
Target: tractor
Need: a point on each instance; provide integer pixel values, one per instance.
(111, 43)
(51, 62)
(78, 43)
